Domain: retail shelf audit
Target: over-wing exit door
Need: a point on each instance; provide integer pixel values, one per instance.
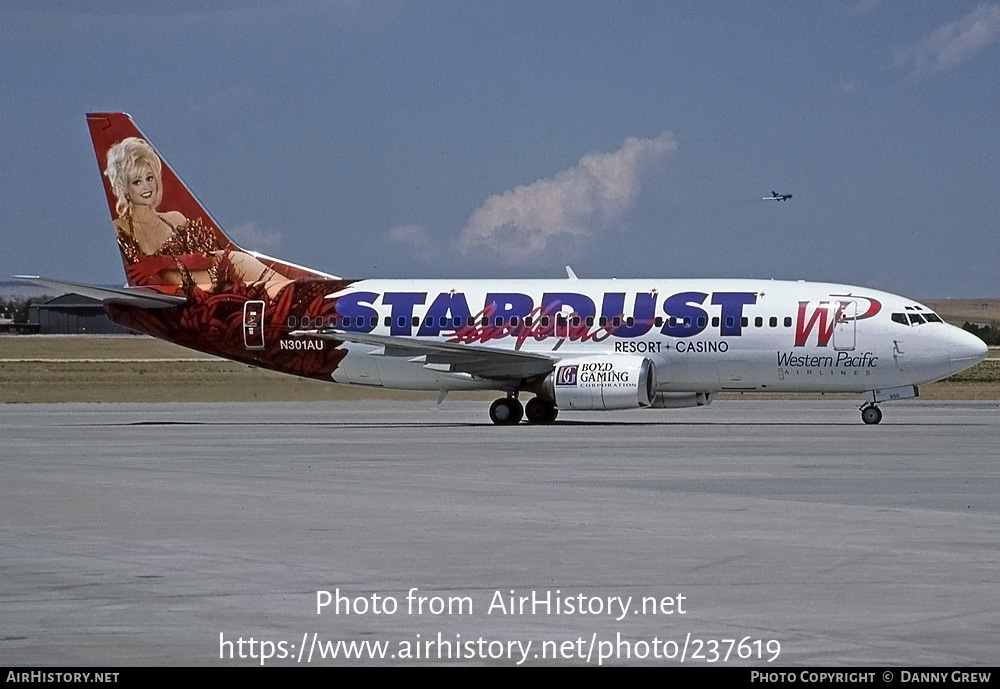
(253, 324)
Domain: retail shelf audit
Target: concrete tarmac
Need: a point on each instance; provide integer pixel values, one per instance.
(172, 534)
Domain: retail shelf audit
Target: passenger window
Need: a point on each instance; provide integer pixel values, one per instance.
(773, 322)
(744, 321)
(702, 321)
(658, 321)
(758, 322)
(388, 321)
(630, 321)
(292, 321)
(715, 321)
(788, 321)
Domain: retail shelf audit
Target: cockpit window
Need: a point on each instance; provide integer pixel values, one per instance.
(916, 318)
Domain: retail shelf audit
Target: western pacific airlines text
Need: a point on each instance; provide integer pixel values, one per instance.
(842, 360)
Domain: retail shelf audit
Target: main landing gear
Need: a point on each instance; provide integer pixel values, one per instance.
(539, 410)
(508, 411)
(871, 414)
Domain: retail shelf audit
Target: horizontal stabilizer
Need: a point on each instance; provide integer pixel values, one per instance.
(129, 296)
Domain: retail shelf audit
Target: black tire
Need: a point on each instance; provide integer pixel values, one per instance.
(506, 411)
(517, 411)
(538, 410)
(871, 415)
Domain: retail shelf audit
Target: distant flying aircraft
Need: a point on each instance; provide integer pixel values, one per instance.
(775, 196)
(571, 344)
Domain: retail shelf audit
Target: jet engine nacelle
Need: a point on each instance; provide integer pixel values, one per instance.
(679, 400)
(602, 382)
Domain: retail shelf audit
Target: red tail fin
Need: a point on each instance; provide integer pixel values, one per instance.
(167, 238)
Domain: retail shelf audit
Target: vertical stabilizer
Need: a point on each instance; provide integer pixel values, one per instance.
(167, 238)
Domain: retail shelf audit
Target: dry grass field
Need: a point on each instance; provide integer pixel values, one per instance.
(958, 311)
(141, 369)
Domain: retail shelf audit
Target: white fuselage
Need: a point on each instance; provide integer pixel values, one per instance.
(701, 335)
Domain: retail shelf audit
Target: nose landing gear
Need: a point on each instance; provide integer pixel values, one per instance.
(871, 414)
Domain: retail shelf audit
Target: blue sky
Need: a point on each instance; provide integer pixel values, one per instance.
(508, 139)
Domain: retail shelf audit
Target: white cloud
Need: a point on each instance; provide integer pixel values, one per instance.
(847, 86)
(952, 44)
(413, 238)
(576, 204)
(250, 236)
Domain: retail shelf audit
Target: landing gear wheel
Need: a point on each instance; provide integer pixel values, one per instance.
(506, 411)
(871, 415)
(539, 410)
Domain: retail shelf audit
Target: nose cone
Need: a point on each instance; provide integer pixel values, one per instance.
(965, 349)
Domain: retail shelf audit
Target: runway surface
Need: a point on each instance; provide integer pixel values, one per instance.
(162, 534)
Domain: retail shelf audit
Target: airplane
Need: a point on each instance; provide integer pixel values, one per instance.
(775, 196)
(572, 344)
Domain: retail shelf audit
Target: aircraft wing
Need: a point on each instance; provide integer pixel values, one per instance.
(129, 296)
(485, 362)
